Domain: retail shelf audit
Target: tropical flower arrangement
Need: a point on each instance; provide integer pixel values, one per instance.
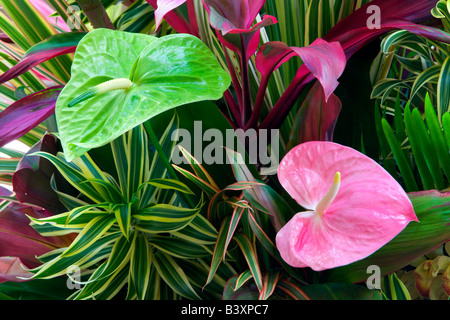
(225, 150)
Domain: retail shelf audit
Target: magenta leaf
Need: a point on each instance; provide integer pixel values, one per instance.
(19, 239)
(228, 15)
(353, 32)
(353, 206)
(26, 113)
(233, 21)
(316, 118)
(31, 181)
(51, 47)
(321, 60)
(326, 61)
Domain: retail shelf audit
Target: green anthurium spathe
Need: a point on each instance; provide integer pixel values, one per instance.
(120, 80)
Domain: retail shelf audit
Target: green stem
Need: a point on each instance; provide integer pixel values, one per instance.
(170, 170)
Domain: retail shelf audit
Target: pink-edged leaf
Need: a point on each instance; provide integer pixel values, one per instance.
(31, 181)
(228, 15)
(369, 210)
(19, 239)
(51, 47)
(245, 42)
(26, 113)
(321, 60)
(316, 118)
(325, 60)
(11, 270)
(234, 20)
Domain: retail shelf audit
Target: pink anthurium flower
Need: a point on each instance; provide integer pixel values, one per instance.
(353, 206)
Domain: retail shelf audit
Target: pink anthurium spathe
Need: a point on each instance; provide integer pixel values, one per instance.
(353, 206)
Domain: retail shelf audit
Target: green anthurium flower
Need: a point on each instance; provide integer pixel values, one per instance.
(120, 80)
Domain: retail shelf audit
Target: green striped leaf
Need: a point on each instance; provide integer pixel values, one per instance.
(165, 218)
(205, 186)
(179, 248)
(141, 260)
(199, 170)
(430, 75)
(174, 276)
(199, 231)
(168, 184)
(293, 290)
(90, 234)
(59, 264)
(394, 288)
(73, 176)
(242, 278)
(251, 257)
(219, 249)
(270, 281)
(123, 217)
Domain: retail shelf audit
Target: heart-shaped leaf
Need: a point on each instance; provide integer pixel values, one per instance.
(150, 75)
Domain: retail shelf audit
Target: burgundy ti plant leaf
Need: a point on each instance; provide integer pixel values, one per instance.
(322, 60)
(31, 181)
(234, 22)
(54, 46)
(26, 113)
(19, 239)
(316, 118)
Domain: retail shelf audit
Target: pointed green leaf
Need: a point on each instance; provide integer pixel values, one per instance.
(90, 234)
(123, 217)
(174, 276)
(140, 266)
(251, 257)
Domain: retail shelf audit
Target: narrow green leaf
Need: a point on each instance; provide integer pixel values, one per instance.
(394, 288)
(443, 94)
(123, 217)
(270, 282)
(90, 234)
(174, 276)
(73, 176)
(446, 127)
(418, 148)
(251, 257)
(199, 231)
(165, 218)
(437, 137)
(179, 248)
(219, 249)
(402, 162)
(141, 260)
